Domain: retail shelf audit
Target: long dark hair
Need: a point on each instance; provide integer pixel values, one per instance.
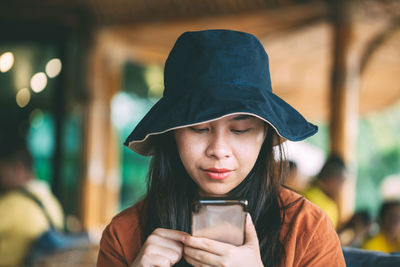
(171, 191)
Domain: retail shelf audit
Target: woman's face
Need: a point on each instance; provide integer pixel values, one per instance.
(218, 155)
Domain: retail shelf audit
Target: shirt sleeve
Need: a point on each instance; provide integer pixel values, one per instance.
(111, 252)
(121, 240)
(324, 248)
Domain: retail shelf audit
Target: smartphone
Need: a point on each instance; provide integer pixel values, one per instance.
(220, 219)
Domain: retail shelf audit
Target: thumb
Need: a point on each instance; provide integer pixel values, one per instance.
(251, 234)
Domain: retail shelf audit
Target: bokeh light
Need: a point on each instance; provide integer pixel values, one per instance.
(22, 70)
(38, 82)
(36, 118)
(53, 67)
(6, 61)
(23, 97)
(154, 77)
(41, 134)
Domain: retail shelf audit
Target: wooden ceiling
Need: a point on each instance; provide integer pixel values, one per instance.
(296, 34)
(298, 40)
(117, 12)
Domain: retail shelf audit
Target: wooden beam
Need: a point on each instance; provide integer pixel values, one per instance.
(344, 100)
(100, 192)
(340, 98)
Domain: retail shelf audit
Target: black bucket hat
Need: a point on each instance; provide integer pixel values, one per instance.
(211, 74)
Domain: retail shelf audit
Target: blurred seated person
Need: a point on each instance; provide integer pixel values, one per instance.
(388, 238)
(294, 179)
(325, 189)
(22, 220)
(357, 230)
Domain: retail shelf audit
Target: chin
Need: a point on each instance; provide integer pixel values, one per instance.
(215, 193)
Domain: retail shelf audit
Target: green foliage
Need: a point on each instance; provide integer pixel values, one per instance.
(378, 155)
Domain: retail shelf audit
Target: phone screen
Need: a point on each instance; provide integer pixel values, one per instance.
(220, 219)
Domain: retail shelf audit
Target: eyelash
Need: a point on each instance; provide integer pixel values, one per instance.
(240, 131)
(202, 130)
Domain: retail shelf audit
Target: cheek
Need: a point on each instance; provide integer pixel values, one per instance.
(248, 154)
(188, 152)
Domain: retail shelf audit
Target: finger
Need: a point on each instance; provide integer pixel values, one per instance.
(212, 246)
(172, 255)
(202, 256)
(156, 260)
(170, 234)
(195, 262)
(165, 242)
(251, 233)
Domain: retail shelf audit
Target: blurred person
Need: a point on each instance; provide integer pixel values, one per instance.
(22, 220)
(356, 230)
(388, 237)
(327, 186)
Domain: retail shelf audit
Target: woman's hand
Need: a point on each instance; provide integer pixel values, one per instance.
(206, 252)
(162, 248)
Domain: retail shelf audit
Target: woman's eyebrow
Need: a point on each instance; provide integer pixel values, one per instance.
(241, 117)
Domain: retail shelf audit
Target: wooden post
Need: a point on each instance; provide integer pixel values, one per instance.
(344, 100)
(101, 183)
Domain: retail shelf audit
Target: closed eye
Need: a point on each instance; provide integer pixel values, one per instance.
(236, 131)
(198, 130)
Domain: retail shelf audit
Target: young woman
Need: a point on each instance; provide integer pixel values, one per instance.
(213, 133)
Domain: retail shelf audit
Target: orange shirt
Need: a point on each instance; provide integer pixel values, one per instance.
(312, 240)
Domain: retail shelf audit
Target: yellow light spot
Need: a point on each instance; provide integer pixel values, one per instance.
(53, 67)
(38, 82)
(154, 78)
(23, 97)
(6, 61)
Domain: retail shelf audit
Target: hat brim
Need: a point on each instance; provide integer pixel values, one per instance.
(169, 114)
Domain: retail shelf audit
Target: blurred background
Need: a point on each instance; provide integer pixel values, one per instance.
(76, 77)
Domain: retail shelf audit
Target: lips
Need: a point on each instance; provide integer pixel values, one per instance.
(217, 174)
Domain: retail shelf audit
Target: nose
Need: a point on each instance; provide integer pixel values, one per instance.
(218, 146)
